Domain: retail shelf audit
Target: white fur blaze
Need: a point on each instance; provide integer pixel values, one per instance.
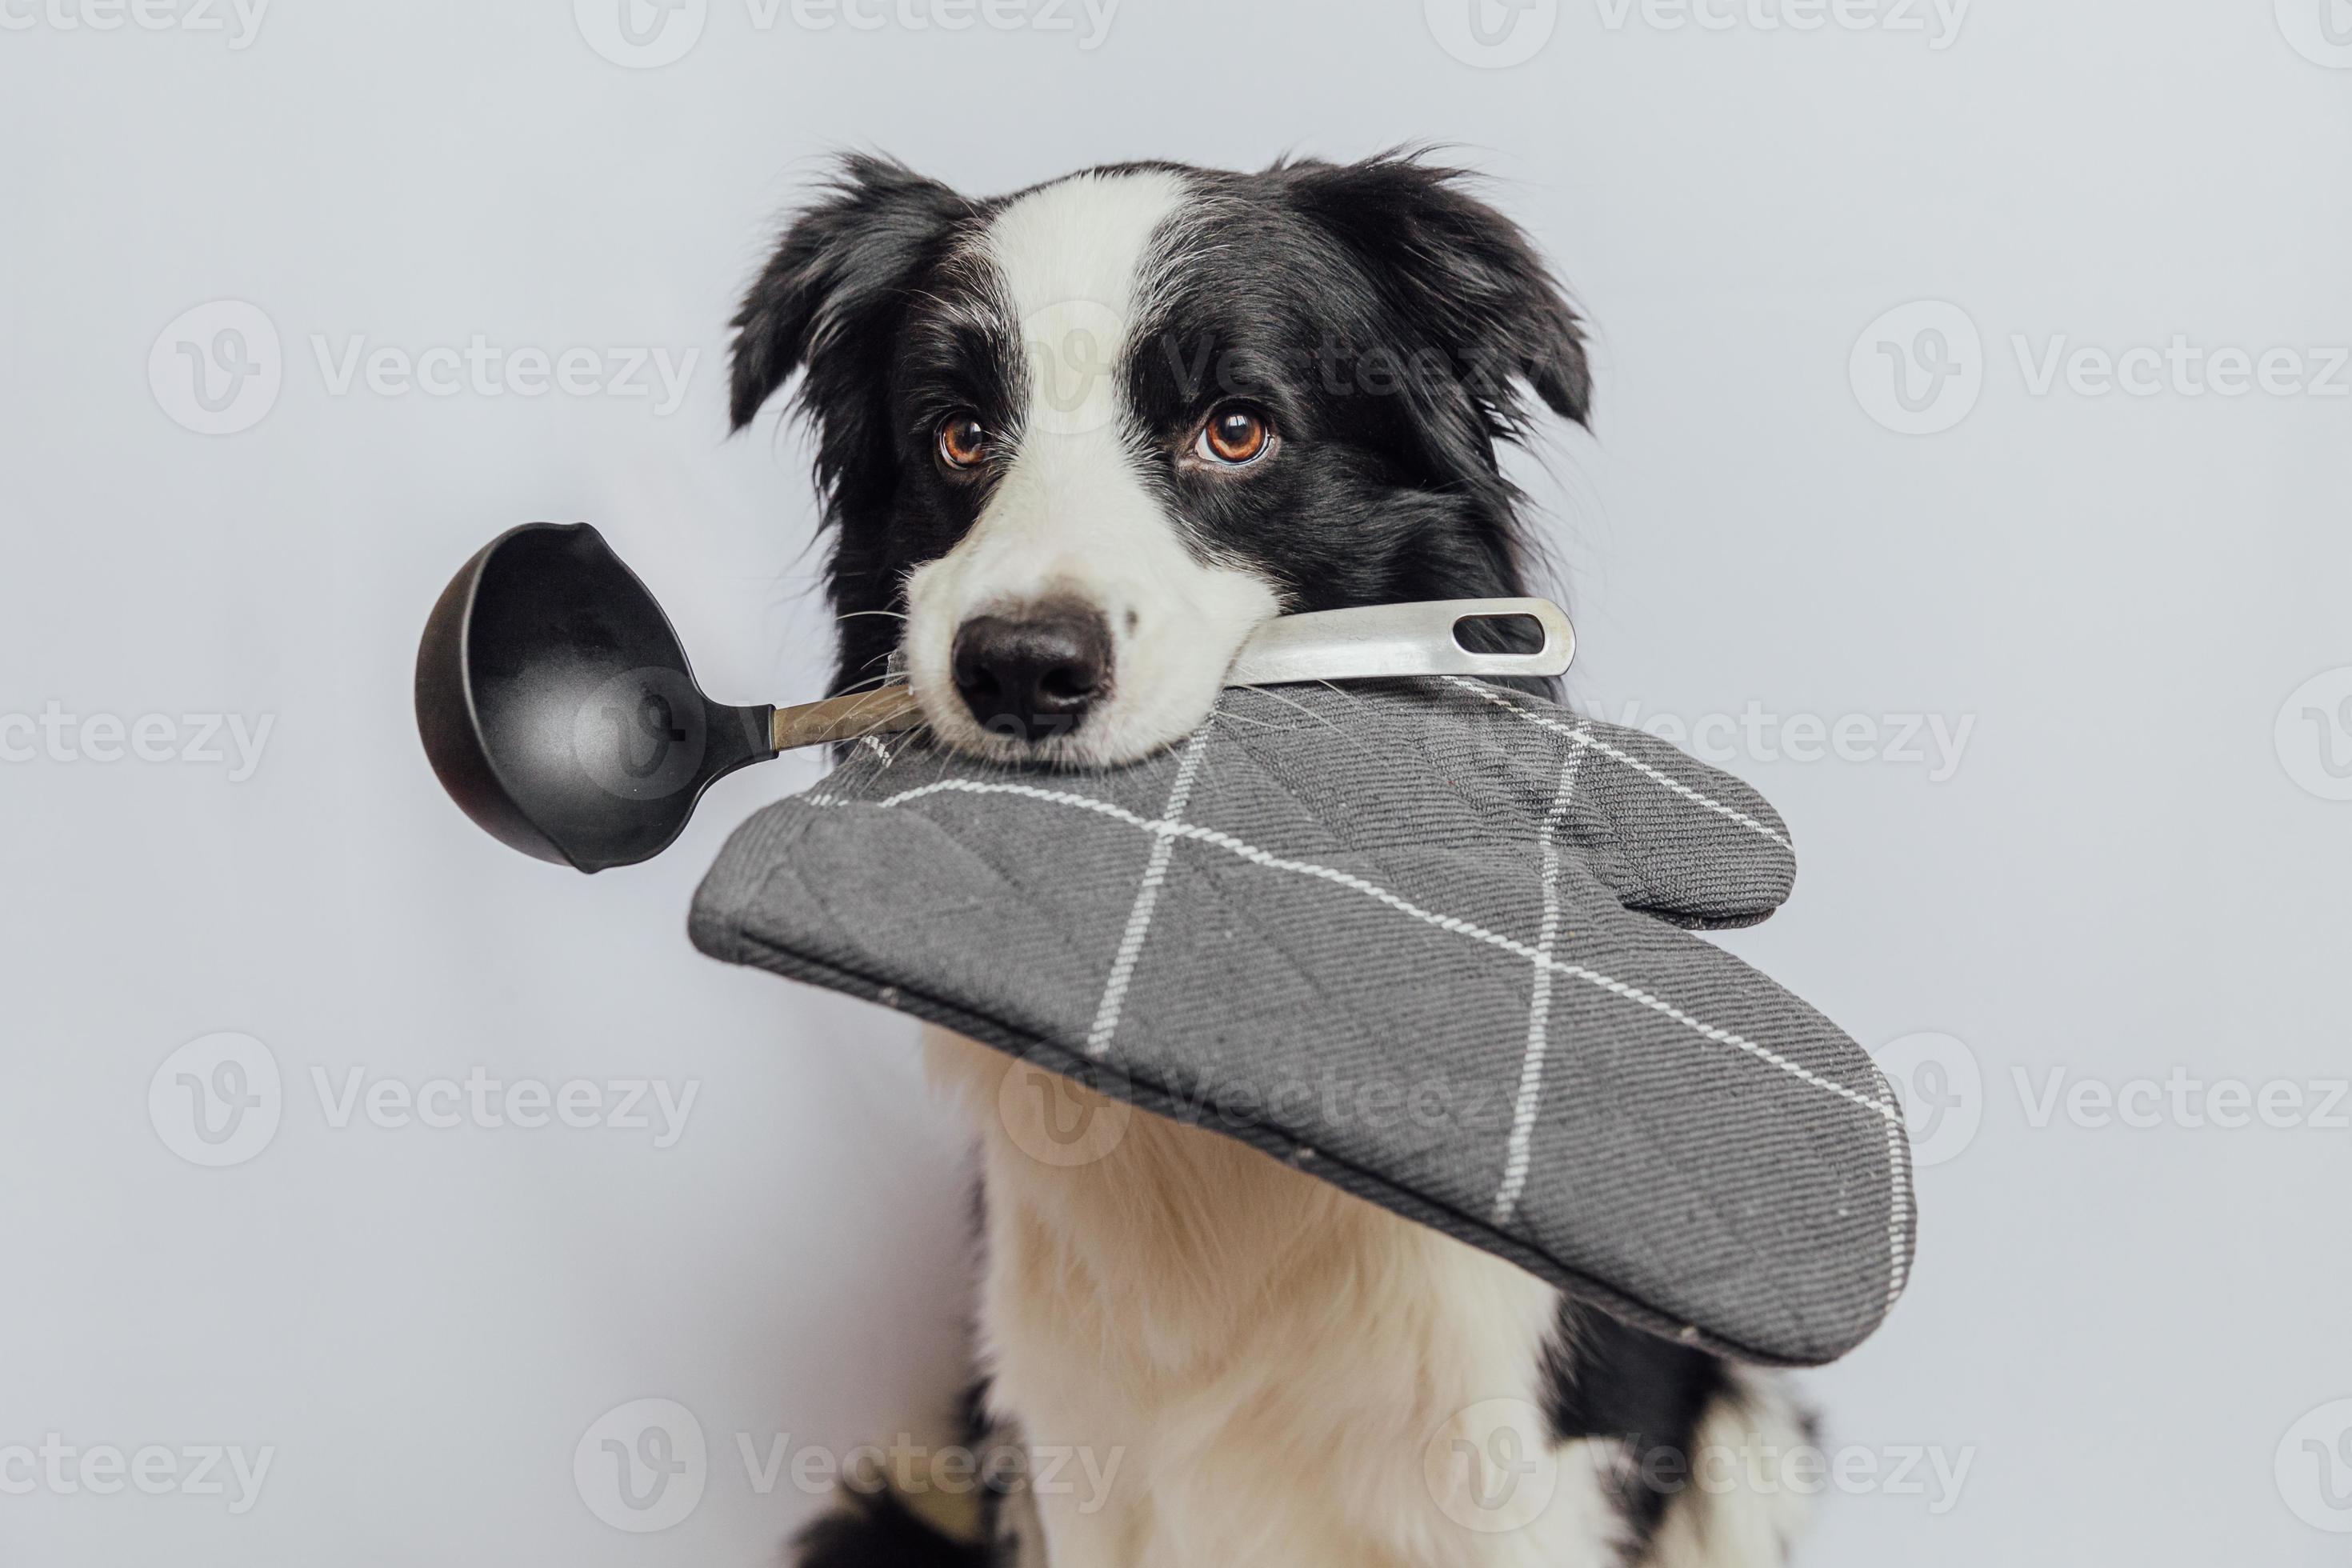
(1074, 516)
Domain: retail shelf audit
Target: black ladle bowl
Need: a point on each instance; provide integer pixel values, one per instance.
(558, 707)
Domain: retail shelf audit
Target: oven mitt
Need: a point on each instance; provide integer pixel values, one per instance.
(1427, 940)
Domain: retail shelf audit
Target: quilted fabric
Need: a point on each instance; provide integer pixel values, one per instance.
(1428, 940)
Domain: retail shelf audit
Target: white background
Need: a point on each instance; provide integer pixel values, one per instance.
(2127, 871)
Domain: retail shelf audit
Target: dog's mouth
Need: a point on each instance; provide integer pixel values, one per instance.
(1070, 676)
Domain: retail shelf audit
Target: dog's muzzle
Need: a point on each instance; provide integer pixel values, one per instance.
(1032, 674)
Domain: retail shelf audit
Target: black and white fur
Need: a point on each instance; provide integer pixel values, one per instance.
(1289, 1376)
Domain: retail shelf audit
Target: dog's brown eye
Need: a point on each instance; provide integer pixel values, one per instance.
(964, 441)
(1235, 433)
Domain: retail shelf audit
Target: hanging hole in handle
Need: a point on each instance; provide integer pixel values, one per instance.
(1499, 634)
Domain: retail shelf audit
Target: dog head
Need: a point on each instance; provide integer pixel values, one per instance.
(1077, 442)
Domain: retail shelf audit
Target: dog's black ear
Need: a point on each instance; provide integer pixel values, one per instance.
(830, 303)
(1465, 276)
(832, 294)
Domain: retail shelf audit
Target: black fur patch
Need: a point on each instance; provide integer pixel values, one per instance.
(877, 1531)
(1605, 1379)
(832, 302)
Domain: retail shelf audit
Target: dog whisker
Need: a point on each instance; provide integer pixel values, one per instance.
(1316, 717)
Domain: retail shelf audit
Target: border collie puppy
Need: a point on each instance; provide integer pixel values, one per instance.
(1075, 443)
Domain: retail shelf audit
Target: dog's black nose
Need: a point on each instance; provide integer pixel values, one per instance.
(1032, 675)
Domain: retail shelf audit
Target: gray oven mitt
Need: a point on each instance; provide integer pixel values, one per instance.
(1427, 940)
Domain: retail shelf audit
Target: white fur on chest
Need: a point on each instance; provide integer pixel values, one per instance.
(1256, 1365)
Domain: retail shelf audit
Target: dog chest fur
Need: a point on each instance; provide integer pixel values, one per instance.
(1273, 1358)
